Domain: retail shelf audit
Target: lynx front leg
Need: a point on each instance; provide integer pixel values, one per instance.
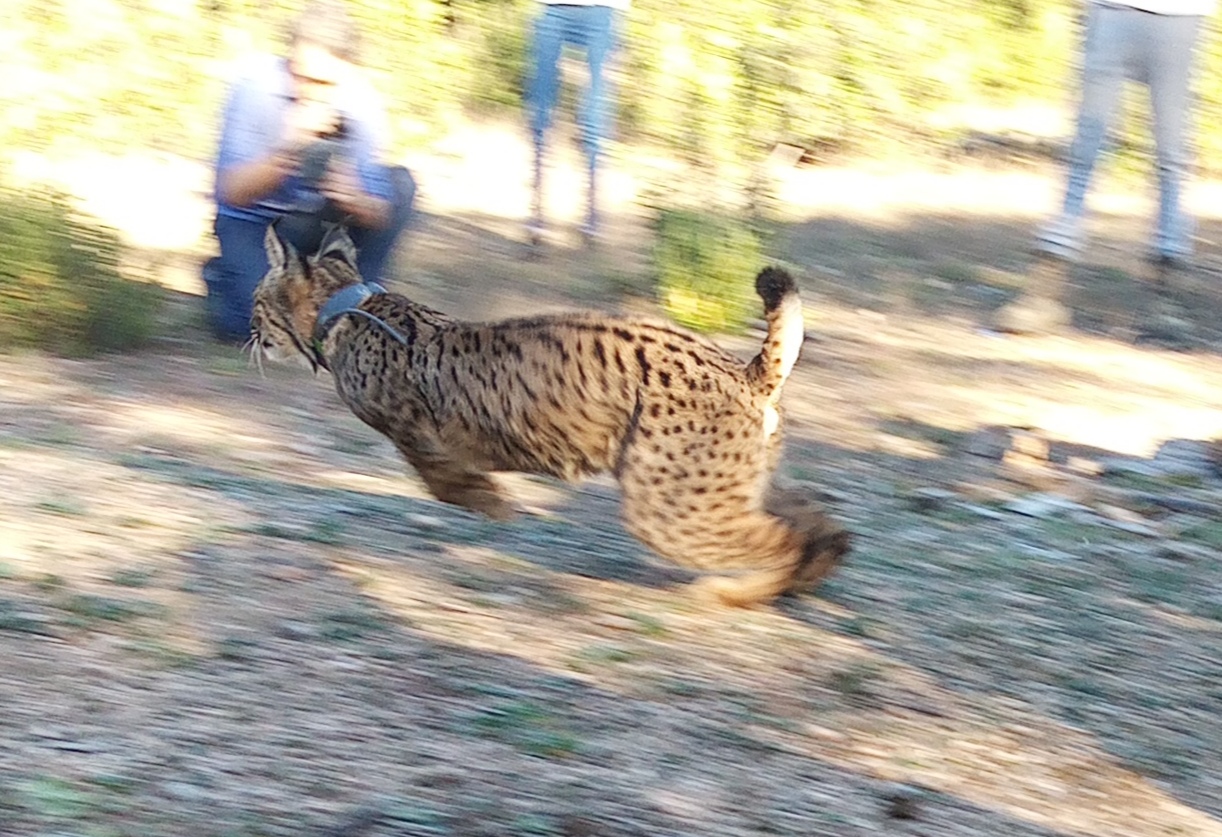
(459, 484)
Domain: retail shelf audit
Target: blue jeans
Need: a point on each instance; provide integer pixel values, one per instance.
(1157, 51)
(593, 29)
(232, 277)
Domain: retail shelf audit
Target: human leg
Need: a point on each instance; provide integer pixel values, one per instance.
(1171, 42)
(598, 35)
(546, 44)
(375, 247)
(232, 277)
(1104, 58)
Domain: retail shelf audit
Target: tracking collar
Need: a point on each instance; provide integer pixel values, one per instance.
(343, 301)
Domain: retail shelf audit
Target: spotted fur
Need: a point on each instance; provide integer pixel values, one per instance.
(691, 433)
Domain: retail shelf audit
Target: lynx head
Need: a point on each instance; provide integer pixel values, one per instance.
(295, 287)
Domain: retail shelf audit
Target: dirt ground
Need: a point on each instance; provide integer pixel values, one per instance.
(227, 609)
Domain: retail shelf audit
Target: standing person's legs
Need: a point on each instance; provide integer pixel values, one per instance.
(1171, 41)
(375, 247)
(547, 41)
(1105, 55)
(232, 277)
(598, 36)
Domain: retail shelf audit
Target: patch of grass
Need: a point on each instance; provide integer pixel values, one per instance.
(351, 624)
(413, 818)
(161, 653)
(958, 273)
(1157, 581)
(858, 682)
(527, 727)
(862, 626)
(49, 583)
(681, 688)
(60, 287)
(475, 581)
(227, 362)
(556, 601)
(235, 649)
(1207, 533)
(329, 531)
(131, 578)
(1088, 686)
(535, 824)
(594, 656)
(1155, 483)
(20, 622)
(1208, 610)
(704, 266)
(59, 435)
(94, 608)
(648, 625)
(57, 799)
(351, 443)
(1185, 480)
(64, 506)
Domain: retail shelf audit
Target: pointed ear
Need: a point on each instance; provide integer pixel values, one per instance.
(277, 249)
(337, 242)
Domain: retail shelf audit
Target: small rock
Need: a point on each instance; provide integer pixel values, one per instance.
(1121, 465)
(290, 629)
(982, 511)
(75, 747)
(184, 791)
(426, 521)
(903, 802)
(1033, 315)
(989, 443)
(1132, 528)
(283, 572)
(1042, 505)
(1215, 455)
(930, 499)
(1188, 553)
(825, 733)
(1184, 457)
(1029, 444)
(1119, 514)
(1182, 505)
(1084, 466)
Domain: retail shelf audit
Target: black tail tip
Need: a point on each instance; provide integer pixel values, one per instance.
(773, 284)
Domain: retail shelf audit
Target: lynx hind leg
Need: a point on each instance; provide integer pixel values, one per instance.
(460, 485)
(824, 541)
(750, 555)
(821, 547)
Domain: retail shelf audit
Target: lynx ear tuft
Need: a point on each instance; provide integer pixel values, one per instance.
(278, 250)
(336, 242)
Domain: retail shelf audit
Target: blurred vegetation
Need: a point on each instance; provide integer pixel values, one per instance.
(716, 82)
(702, 263)
(60, 288)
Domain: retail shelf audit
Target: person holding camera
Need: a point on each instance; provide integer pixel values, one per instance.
(299, 142)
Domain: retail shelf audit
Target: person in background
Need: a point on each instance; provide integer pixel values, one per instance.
(300, 140)
(592, 26)
(1152, 42)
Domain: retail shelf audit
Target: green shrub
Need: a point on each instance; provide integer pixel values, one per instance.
(705, 267)
(60, 288)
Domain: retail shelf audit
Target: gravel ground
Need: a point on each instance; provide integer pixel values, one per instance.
(227, 609)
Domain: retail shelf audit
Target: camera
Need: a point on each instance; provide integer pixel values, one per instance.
(317, 155)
